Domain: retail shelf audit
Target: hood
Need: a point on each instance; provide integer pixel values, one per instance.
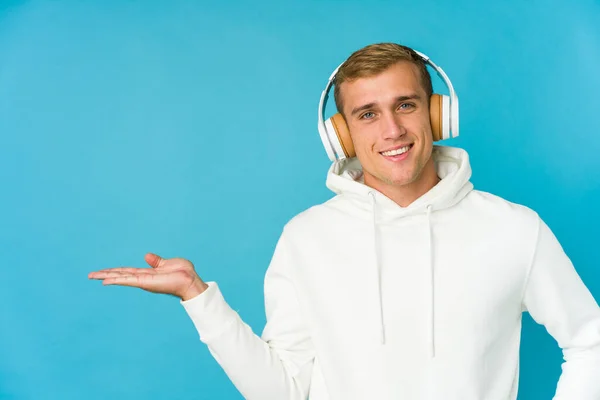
(345, 178)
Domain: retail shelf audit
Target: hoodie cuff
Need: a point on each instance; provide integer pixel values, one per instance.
(209, 312)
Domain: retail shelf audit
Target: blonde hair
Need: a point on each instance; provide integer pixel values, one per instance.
(373, 60)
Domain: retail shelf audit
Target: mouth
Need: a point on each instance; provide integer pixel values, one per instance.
(397, 154)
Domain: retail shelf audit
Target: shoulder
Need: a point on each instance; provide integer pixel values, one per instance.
(496, 208)
(311, 215)
(315, 218)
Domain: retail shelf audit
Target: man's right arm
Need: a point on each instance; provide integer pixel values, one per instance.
(277, 366)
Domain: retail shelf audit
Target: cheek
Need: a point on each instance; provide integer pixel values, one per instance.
(427, 136)
(422, 122)
(362, 140)
(423, 126)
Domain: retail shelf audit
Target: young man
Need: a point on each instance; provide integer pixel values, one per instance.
(408, 284)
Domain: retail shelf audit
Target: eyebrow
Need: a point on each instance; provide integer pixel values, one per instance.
(398, 99)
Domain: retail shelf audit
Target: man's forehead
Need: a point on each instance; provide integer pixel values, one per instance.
(396, 81)
(401, 72)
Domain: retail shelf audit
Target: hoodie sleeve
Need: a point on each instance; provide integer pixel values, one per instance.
(277, 366)
(556, 297)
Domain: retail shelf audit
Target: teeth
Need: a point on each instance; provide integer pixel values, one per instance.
(396, 152)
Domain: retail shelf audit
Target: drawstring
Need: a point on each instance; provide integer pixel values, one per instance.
(431, 285)
(431, 319)
(378, 266)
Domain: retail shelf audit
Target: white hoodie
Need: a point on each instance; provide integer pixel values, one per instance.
(369, 300)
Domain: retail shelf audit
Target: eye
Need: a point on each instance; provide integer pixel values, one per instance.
(406, 106)
(367, 115)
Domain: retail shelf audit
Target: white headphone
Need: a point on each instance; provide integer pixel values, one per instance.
(443, 112)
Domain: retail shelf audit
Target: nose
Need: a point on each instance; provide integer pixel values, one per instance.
(392, 126)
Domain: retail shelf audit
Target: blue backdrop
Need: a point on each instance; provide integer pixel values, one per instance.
(189, 129)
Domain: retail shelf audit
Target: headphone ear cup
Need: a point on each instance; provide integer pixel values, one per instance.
(439, 114)
(435, 115)
(340, 136)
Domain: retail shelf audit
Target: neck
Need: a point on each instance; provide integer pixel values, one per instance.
(405, 195)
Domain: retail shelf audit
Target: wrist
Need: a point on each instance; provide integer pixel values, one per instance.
(196, 288)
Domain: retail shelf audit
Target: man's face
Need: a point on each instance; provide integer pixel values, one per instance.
(388, 118)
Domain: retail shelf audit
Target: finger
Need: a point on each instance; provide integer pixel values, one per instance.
(128, 270)
(154, 260)
(109, 273)
(126, 280)
(105, 274)
(110, 269)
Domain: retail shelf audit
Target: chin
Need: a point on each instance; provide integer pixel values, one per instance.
(397, 180)
(401, 182)
(401, 179)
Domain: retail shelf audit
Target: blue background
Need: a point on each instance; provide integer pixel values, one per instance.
(189, 129)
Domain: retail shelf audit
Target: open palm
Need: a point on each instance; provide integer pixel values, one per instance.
(175, 276)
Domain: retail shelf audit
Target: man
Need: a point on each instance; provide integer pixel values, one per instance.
(408, 284)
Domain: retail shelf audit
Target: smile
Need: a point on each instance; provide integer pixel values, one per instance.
(397, 152)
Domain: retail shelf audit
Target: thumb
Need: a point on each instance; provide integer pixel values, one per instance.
(154, 260)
